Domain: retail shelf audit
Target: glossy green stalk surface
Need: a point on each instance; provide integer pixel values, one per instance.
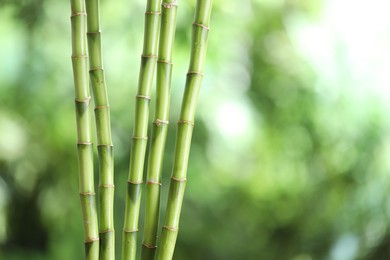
(160, 128)
(185, 127)
(83, 121)
(103, 129)
(139, 139)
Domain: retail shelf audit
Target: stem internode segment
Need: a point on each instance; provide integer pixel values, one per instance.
(83, 122)
(139, 140)
(160, 128)
(185, 127)
(103, 130)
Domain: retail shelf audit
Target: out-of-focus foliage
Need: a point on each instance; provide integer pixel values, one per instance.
(289, 160)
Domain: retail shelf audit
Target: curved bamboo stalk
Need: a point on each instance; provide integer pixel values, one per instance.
(83, 120)
(105, 147)
(160, 127)
(185, 127)
(139, 139)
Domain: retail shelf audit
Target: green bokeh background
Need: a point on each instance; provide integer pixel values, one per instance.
(291, 149)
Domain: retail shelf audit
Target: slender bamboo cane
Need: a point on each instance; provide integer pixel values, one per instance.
(160, 127)
(83, 120)
(185, 127)
(139, 139)
(105, 147)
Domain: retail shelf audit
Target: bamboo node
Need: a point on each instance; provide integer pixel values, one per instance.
(143, 96)
(134, 182)
(165, 61)
(151, 12)
(174, 229)
(96, 68)
(98, 107)
(106, 186)
(186, 122)
(201, 25)
(149, 56)
(195, 73)
(107, 231)
(130, 230)
(78, 14)
(179, 180)
(86, 100)
(97, 32)
(149, 246)
(169, 5)
(159, 122)
(153, 182)
(105, 145)
(91, 240)
(88, 193)
(139, 138)
(84, 143)
(79, 56)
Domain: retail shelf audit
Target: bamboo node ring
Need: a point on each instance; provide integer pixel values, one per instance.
(149, 246)
(159, 122)
(86, 100)
(106, 186)
(169, 5)
(79, 56)
(91, 240)
(84, 143)
(130, 230)
(186, 122)
(96, 68)
(88, 193)
(143, 96)
(134, 182)
(151, 12)
(201, 25)
(174, 229)
(179, 180)
(78, 14)
(107, 231)
(96, 32)
(165, 61)
(153, 182)
(139, 138)
(195, 73)
(149, 56)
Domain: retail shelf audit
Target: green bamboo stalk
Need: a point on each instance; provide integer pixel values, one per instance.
(160, 127)
(185, 128)
(83, 121)
(139, 139)
(105, 147)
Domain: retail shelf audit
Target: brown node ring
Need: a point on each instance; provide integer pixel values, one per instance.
(153, 182)
(201, 25)
(78, 14)
(134, 183)
(91, 240)
(86, 100)
(165, 61)
(143, 97)
(149, 246)
(107, 231)
(186, 122)
(169, 5)
(179, 180)
(130, 230)
(96, 68)
(170, 228)
(97, 32)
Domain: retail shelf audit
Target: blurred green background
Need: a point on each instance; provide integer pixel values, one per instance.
(291, 149)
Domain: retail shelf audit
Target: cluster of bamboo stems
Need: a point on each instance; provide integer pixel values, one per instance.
(160, 24)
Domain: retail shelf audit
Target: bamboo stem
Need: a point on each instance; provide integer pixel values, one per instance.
(139, 139)
(160, 127)
(83, 121)
(105, 147)
(185, 128)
